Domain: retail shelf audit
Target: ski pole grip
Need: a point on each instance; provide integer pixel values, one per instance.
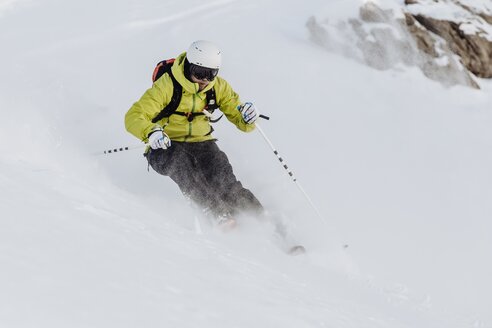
(264, 117)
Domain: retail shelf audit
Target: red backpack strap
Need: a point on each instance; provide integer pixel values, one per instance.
(161, 68)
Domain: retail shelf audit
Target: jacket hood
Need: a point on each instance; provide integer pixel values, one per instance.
(178, 72)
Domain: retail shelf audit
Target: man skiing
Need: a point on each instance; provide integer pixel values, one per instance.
(181, 142)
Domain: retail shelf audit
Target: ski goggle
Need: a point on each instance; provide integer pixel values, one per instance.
(203, 73)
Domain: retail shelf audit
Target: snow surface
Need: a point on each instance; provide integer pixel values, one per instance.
(398, 165)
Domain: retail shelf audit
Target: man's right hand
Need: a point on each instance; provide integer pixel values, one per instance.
(159, 139)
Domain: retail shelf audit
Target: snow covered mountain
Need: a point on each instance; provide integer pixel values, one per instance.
(449, 40)
(397, 164)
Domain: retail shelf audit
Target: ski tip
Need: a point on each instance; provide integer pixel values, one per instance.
(296, 250)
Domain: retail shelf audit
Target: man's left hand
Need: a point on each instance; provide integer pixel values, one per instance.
(249, 112)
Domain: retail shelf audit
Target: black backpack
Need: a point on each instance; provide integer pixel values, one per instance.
(164, 67)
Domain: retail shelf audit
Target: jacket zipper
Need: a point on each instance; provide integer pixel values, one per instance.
(192, 110)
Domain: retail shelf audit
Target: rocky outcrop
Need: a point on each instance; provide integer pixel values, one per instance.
(466, 34)
(384, 38)
(439, 62)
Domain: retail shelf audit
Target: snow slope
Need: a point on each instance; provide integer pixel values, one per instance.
(398, 165)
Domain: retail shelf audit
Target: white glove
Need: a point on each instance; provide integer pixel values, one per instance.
(159, 139)
(249, 112)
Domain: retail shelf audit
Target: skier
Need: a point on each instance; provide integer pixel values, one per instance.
(181, 143)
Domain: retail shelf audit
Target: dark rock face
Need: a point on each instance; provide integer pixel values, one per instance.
(433, 48)
(473, 47)
(474, 50)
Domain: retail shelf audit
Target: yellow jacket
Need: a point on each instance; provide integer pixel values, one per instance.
(138, 119)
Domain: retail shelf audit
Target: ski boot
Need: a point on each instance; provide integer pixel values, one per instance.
(225, 222)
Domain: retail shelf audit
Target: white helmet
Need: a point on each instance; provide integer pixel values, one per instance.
(204, 53)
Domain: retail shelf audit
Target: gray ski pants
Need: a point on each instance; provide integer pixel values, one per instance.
(203, 173)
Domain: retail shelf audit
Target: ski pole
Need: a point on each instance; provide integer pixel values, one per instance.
(289, 172)
(119, 149)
